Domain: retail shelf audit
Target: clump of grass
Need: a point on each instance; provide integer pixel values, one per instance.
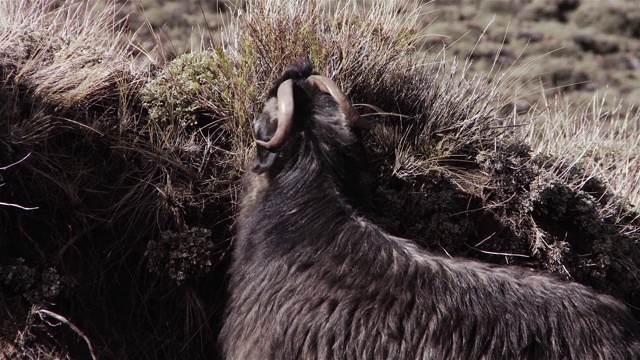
(554, 9)
(598, 43)
(70, 63)
(618, 18)
(590, 163)
(603, 142)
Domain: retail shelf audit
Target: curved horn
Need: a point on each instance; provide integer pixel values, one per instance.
(285, 117)
(327, 85)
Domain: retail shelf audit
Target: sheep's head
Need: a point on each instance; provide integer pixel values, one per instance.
(285, 104)
(309, 108)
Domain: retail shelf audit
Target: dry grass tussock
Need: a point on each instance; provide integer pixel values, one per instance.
(605, 143)
(132, 173)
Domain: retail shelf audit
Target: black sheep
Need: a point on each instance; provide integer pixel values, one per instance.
(313, 279)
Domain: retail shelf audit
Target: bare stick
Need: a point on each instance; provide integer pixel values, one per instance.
(10, 204)
(15, 163)
(18, 206)
(62, 319)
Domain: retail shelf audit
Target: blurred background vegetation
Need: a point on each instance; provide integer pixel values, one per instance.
(574, 47)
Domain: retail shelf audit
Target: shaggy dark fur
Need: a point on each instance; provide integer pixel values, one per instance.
(312, 279)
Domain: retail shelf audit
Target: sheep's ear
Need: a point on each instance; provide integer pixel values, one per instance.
(265, 127)
(264, 160)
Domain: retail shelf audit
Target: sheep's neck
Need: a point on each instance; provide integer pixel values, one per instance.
(312, 197)
(308, 199)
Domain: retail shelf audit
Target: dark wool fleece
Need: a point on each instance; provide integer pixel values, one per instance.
(313, 279)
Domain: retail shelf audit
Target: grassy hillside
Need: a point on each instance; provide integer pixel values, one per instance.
(565, 59)
(120, 161)
(575, 47)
